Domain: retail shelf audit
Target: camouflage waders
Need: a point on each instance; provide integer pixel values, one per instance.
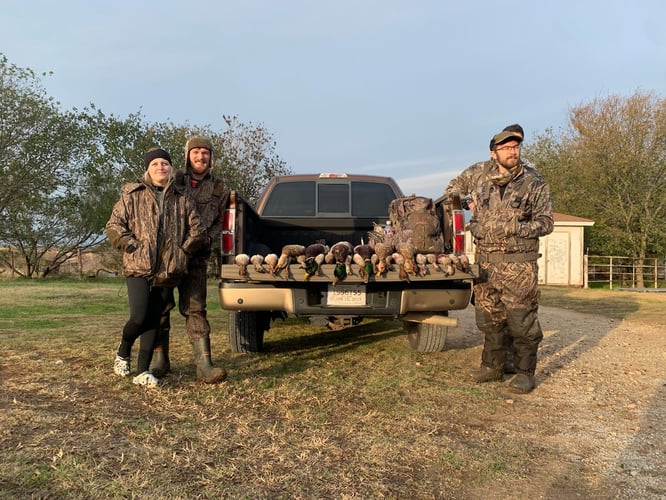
(506, 298)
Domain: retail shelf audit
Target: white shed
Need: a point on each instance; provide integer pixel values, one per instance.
(562, 252)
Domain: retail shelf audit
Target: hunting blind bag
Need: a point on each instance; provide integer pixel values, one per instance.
(414, 220)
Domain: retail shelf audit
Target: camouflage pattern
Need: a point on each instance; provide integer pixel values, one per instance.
(211, 196)
(192, 296)
(506, 297)
(511, 212)
(160, 229)
(499, 224)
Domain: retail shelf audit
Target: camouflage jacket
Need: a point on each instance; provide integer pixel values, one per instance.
(211, 196)
(509, 222)
(155, 233)
(465, 183)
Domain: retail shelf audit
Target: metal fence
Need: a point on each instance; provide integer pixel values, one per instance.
(625, 272)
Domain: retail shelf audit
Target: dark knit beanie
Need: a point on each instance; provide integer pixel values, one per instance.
(154, 153)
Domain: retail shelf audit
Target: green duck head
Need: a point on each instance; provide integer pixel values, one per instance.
(340, 271)
(311, 267)
(368, 267)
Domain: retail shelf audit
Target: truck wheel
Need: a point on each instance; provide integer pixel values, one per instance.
(246, 332)
(424, 337)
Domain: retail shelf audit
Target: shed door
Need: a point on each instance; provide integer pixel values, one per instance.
(558, 257)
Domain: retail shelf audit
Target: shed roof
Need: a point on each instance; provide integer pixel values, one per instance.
(570, 220)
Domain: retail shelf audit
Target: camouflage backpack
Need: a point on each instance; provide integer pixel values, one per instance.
(414, 220)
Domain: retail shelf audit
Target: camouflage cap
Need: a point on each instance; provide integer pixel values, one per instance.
(505, 136)
(198, 142)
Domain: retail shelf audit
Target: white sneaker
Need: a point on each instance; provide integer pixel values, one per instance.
(146, 379)
(121, 366)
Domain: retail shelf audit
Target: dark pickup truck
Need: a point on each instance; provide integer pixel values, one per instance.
(303, 209)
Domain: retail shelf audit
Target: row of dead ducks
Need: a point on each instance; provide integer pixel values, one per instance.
(372, 260)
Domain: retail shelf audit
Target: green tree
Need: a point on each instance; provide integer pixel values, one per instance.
(41, 197)
(62, 170)
(245, 154)
(609, 165)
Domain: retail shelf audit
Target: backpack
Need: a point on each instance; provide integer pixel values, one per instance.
(414, 220)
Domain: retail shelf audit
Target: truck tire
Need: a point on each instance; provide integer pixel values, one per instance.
(424, 337)
(246, 331)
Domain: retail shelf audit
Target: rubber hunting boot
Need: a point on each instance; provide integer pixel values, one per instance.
(206, 372)
(510, 360)
(161, 363)
(522, 383)
(486, 374)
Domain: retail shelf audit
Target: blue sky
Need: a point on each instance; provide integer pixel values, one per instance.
(411, 89)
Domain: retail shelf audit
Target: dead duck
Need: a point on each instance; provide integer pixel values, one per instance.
(446, 264)
(340, 254)
(408, 252)
(289, 253)
(271, 261)
(421, 264)
(314, 257)
(257, 261)
(431, 258)
(242, 260)
(383, 252)
(399, 261)
(363, 258)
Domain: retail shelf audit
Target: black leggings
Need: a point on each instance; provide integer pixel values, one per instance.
(146, 304)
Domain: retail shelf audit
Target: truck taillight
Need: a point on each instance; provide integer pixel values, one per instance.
(458, 231)
(228, 236)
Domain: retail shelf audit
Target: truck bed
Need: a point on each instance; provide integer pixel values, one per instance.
(295, 273)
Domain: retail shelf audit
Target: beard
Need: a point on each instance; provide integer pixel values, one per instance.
(510, 163)
(512, 168)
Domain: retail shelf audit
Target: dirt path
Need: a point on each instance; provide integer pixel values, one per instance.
(600, 401)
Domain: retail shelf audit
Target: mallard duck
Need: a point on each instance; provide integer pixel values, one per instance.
(340, 254)
(314, 256)
(408, 251)
(399, 261)
(432, 260)
(383, 252)
(289, 253)
(271, 261)
(242, 260)
(421, 264)
(463, 263)
(446, 264)
(257, 261)
(363, 258)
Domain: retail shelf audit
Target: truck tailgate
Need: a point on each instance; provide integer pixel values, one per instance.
(294, 272)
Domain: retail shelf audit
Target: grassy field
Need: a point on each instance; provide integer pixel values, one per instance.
(347, 414)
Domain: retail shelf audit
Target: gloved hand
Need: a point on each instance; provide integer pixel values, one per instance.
(131, 246)
(199, 247)
(206, 248)
(504, 226)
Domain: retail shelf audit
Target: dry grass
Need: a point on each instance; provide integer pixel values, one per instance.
(349, 414)
(647, 307)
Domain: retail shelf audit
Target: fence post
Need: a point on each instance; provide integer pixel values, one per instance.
(586, 270)
(610, 272)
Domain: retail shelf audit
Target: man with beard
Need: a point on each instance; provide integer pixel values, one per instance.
(512, 209)
(210, 196)
(464, 185)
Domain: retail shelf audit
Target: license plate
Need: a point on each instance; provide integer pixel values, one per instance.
(345, 295)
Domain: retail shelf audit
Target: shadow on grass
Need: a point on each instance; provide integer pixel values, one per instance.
(347, 339)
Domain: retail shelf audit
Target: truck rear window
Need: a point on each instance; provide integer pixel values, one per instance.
(329, 199)
(296, 199)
